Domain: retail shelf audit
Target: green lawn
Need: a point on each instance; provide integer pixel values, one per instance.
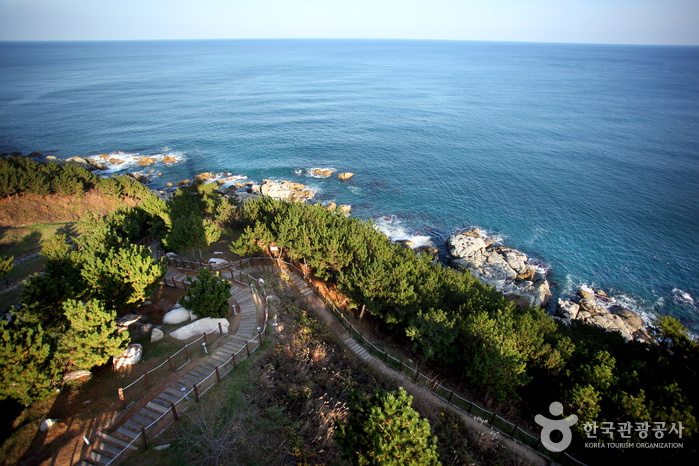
(18, 241)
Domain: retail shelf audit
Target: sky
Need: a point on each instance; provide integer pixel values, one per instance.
(661, 22)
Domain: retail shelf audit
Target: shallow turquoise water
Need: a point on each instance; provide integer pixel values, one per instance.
(584, 156)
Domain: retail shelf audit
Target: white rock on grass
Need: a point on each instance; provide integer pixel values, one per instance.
(156, 335)
(199, 327)
(193, 316)
(129, 357)
(176, 316)
(46, 424)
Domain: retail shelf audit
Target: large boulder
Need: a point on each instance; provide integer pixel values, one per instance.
(145, 161)
(176, 316)
(345, 176)
(286, 190)
(199, 327)
(505, 269)
(130, 319)
(129, 357)
(168, 159)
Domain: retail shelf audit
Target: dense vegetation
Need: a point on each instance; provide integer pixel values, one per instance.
(20, 175)
(208, 295)
(384, 429)
(469, 328)
(66, 320)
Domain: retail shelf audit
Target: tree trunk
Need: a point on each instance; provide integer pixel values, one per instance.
(361, 314)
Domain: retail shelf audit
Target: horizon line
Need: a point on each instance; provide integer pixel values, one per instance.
(514, 42)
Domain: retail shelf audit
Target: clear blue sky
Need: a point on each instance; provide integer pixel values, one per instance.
(588, 21)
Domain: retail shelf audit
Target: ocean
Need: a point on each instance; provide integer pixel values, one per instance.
(585, 157)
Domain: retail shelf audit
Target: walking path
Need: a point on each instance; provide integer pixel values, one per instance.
(105, 447)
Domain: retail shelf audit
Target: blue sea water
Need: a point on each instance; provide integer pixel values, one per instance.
(583, 156)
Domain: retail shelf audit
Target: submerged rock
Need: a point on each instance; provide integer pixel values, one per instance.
(505, 269)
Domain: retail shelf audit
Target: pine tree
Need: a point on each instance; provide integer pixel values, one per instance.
(385, 430)
(92, 337)
(6, 267)
(208, 295)
(27, 368)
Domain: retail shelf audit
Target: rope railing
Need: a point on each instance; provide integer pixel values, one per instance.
(173, 413)
(505, 427)
(170, 362)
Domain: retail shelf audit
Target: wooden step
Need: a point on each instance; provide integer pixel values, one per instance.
(169, 398)
(174, 392)
(97, 458)
(153, 415)
(144, 421)
(132, 425)
(106, 448)
(115, 441)
(127, 432)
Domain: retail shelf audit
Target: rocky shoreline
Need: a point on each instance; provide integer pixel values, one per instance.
(510, 272)
(507, 270)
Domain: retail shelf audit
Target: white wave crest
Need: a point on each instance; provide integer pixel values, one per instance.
(392, 227)
(682, 297)
(119, 161)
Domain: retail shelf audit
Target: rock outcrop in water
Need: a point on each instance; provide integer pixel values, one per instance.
(505, 269)
(597, 309)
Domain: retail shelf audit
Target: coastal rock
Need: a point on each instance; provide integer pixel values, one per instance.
(406, 243)
(168, 159)
(591, 309)
(567, 309)
(286, 190)
(104, 156)
(114, 161)
(345, 208)
(169, 185)
(34, 154)
(145, 161)
(630, 318)
(51, 158)
(331, 206)
(144, 179)
(96, 165)
(505, 269)
(205, 176)
(79, 161)
(183, 183)
(243, 196)
(345, 176)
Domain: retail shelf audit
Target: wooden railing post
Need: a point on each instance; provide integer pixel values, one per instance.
(451, 395)
(145, 442)
(196, 392)
(514, 431)
(172, 366)
(400, 369)
(235, 363)
(417, 374)
(186, 351)
(147, 381)
(220, 329)
(259, 334)
(218, 376)
(493, 418)
(174, 411)
(247, 347)
(350, 331)
(205, 340)
(121, 398)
